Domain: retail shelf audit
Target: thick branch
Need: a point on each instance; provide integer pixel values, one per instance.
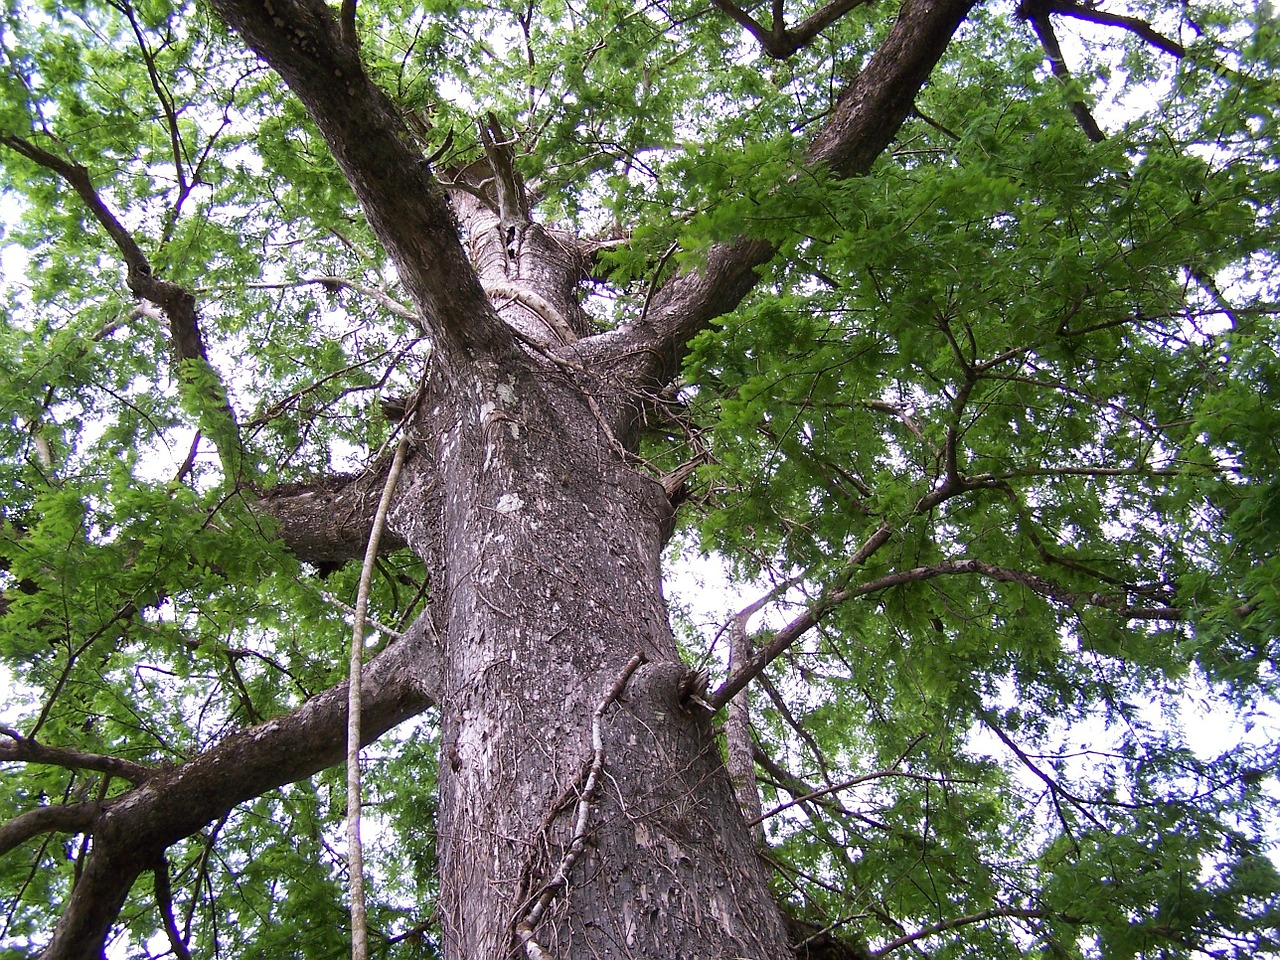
(1135, 25)
(1037, 14)
(134, 829)
(406, 207)
(327, 523)
(807, 29)
(164, 903)
(77, 177)
(69, 818)
(28, 750)
(864, 121)
(177, 303)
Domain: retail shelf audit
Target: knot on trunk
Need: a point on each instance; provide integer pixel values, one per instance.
(668, 686)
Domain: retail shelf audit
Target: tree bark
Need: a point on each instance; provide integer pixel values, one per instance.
(550, 551)
(326, 523)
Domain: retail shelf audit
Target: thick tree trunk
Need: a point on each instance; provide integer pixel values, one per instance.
(550, 548)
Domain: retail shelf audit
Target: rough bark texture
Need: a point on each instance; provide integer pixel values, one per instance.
(544, 541)
(550, 548)
(326, 523)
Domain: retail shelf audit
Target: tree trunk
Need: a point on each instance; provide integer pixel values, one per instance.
(549, 550)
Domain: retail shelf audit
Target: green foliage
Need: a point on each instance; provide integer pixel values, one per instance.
(1006, 344)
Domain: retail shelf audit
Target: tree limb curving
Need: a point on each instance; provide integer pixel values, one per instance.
(132, 831)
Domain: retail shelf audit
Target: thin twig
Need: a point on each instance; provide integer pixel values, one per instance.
(351, 612)
(798, 627)
(954, 922)
(1116, 602)
(333, 283)
(890, 771)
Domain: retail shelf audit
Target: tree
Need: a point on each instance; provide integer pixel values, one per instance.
(957, 342)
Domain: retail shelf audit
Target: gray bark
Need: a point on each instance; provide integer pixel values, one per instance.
(550, 544)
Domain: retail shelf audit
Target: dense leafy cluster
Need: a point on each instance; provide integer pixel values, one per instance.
(1044, 366)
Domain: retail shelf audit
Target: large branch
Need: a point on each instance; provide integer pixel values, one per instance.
(176, 302)
(73, 817)
(302, 41)
(1135, 25)
(327, 522)
(1039, 19)
(133, 830)
(864, 121)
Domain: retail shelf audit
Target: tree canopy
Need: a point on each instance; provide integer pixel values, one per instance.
(980, 417)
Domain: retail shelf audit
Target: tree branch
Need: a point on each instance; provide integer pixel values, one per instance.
(327, 522)
(951, 924)
(28, 750)
(132, 830)
(817, 794)
(164, 903)
(167, 109)
(792, 632)
(65, 818)
(748, 23)
(780, 42)
(1135, 25)
(334, 283)
(796, 628)
(405, 205)
(808, 28)
(177, 303)
(865, 119)
(1036, 13)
